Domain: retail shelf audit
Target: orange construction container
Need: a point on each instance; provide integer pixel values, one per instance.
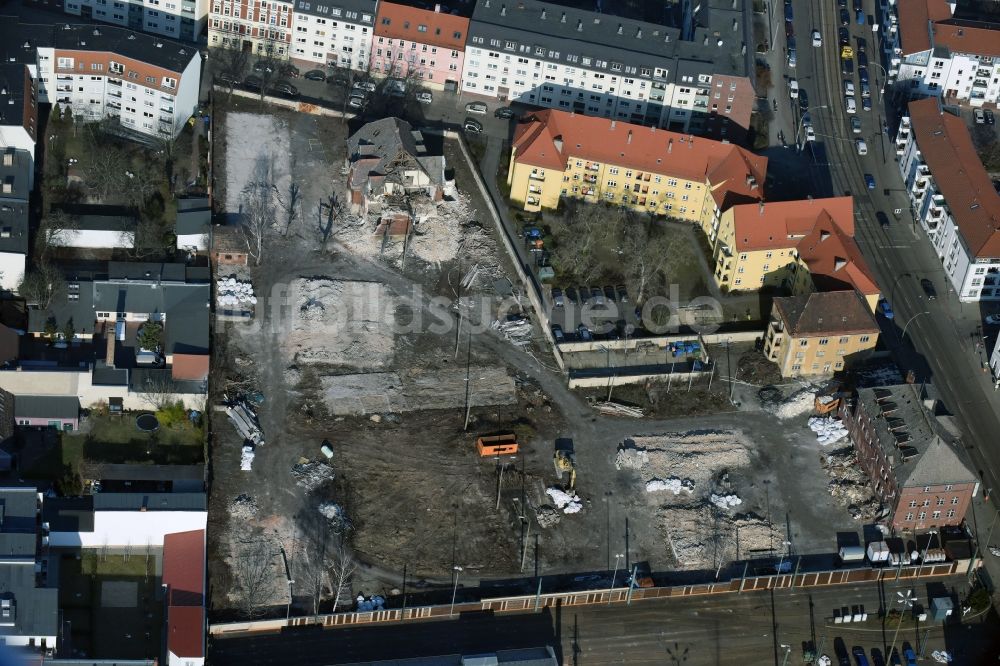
(497, 445)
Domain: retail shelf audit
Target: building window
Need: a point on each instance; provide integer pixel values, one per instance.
(913, 504)
(951, 513)
(823, 341)
(922, 515)
(949, 487)
(954, 500)
(909, 516)
(940, 501)
(927, 489)
(864, 338)
(936, 515)
(803, 343)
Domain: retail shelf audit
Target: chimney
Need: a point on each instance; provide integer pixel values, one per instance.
(620, 29)
(629, 140)
(613, 124)
(579, 25)
(670, 146)
(109, 339)
(638, 33)
(437, 8)
(558, 143)
(761, 207)
(503, 10)
(543, 13)
(562, 19)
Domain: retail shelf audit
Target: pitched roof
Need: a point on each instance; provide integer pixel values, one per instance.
(380, 146)
(926, 24)
(959, 175)
(190, 367)
(725, 166)
(440, 29)
(98, 217)
(914, 27)
(962, 37)
(825, 313)
(820, 230)
(184, 567)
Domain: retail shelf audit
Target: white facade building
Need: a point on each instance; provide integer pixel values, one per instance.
(558, 57)
(149, 84)
(333, 33)
(940, 56)
(175, 19)
(952, 197)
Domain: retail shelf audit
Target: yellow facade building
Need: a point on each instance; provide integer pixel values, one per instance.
(558, 154)
(820, 333)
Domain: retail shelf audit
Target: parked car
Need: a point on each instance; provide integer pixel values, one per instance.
(803, 100)
(850, 105)
(789, 15)
(284, 89)
(338, 80)
(882, 218)
(990, 118)
(571, 296)
(862, 45)
(866, 103)
(845, 17)
(841, 4)
(557, 298)
(367, 86)
(425, 97)
(476, 107)
(793, 89)
(847, 66)
(263, 66)
(622, 293)
(597, 295)
(857, 5)
(860, 16)
(992, 320)
(849, 88)
(979, 116)
(929, 291)
(856, 124)
(862, 60)
(861, 147)
(584, 295)
(843, 36)
(863, 74)
(869, 181)
(810, 133)
(504, 112)
(226, 79)
(558, 334)
(909, 655)
(315, 75)
(609, 294)
(877, 658)
(817, 39)
(473, 126)
(859, 655)
(584, 333)
(886, 309)
(791, 57)
(357, 101)
(253, 83)
(866, 90)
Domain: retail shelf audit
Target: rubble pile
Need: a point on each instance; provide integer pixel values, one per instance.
(547, 516)
(311, 474)
(517, 330)
(243, 507)
(828, 430)
(725, 502)
(849, 485)
(246, 458)
(567, 502)
(799, 403)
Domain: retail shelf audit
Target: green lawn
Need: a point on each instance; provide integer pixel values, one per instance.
(128, 630)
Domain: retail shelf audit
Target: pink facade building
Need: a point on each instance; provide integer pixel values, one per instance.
(425, 46)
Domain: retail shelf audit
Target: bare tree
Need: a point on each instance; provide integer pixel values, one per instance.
(54, 229)
(257, 209)
(253, 570)
(231, 61)
(342, 568)
(270, 66)
(329, 213)
(106, 170)
(41, 284)
(290, 201)
(158, 390)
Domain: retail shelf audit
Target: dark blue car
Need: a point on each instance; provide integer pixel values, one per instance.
(863, 74)
(886, 309)
(861, 17)
(870, 181)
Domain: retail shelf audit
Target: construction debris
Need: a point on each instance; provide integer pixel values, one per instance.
(801, 402)
(243, 507)
(374, 603)
(674, 485)
(618, 409)
(547, 516)
(517, 329)
(244, 418)
(246, 458)
(312, 474)
(566, 502)
(848, 484)
(828, 430)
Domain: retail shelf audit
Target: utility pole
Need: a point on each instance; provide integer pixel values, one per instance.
(468, 386)
(500, 484)
(631, 585)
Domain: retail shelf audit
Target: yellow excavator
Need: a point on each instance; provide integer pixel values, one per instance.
(565, 461)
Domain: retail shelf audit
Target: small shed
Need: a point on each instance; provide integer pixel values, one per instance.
(53, 411)
(228, 246)
(941, 608)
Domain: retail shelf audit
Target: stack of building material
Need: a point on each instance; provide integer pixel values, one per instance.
(245, 420)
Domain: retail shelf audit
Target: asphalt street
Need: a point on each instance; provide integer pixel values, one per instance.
(725, 629)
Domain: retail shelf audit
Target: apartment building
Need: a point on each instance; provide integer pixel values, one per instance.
(176, 19)
(819, 333)
(333, 33)
(907, 448)
(19, 94)
(953, 198)
(558, 154)
(16, 170)
(425, 45)
(946, 57)
(263, 27)
(801, 246)
(691, 78)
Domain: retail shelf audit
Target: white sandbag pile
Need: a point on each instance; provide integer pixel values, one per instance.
(246, 458)
(828, 430)
(725, 501)
(566, 502)
(231, 293)
(371, 604)
(673, 484)
(941, 656)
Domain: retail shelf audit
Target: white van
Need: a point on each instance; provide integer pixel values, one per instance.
(852, 107)
(861, 146)
(793, 89)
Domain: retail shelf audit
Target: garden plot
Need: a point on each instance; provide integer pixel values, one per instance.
(687, 477)
(256, 144)
(342, 323)
(414, 390)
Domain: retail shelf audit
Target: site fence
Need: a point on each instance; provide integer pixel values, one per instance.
(620, 595)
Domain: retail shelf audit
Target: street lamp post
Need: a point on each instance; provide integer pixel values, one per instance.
(614, 576)
(788, 651)
(800, 144)
(454, 590)
(902, 336)
(288, 608)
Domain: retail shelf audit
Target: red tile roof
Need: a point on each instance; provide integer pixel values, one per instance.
(947, 148)
(184, 578)
(186, 631)
(820, 230)
(924, 24)
(405, 22)
(725, 166)
(967, 39)
(914, 17)
(184, 567)
(193, 367)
